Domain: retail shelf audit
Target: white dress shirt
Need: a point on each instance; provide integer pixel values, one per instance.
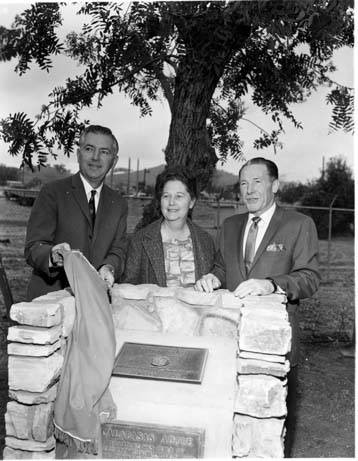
(262, 226)
(89, 188)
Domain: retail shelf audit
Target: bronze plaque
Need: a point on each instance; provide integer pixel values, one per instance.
(168, 363)
(121, 440)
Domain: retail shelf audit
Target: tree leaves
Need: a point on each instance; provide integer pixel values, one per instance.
(342, 100)
(18, 130)
(59, 131)
(277, 51)
(33, 37)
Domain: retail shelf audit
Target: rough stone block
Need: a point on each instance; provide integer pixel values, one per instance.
(34, 374)
(30, 445)
(129, 291)
(40, 314)
(59, 294)
(268, 337)
(265, 357)
(253, 366)
(220, 322)
(163, 292)
(258, 438)
(11, 453)
(197, 298)
(228, 300)
(261, 396)
(34, 335)
(273, 299)
(265, 311)
(135, 315)
(176, 317)
(32, 398)
(68, 304)
(34, 422)
(33, 350)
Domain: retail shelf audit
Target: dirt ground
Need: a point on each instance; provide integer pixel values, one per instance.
(326, 404)
(325, 414)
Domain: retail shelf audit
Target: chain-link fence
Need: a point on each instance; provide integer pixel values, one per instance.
(330, 221)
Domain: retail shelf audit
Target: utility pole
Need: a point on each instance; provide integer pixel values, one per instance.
(145, 171)
(128, 175)
(137, 176)
(323, 166)
(330, 237)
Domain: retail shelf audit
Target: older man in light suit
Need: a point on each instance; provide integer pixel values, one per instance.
(78, 212)
(267, 250)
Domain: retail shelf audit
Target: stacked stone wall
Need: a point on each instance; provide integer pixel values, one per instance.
(35, 355)
(260, 406)
(260, 325)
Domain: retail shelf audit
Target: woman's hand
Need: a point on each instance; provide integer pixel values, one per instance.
(208, 283)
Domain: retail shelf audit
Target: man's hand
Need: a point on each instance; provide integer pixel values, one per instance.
(254, 287)
(106, 272)
(208, 283)
(56, 255)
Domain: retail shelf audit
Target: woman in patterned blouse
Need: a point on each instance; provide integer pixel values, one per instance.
(171, 251)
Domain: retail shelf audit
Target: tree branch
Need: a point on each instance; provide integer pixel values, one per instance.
(165, 82)
(257, 126)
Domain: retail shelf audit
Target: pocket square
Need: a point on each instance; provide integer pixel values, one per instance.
(276, 247)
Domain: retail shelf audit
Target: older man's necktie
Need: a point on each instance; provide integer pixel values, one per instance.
(92, 208)
(250, 243)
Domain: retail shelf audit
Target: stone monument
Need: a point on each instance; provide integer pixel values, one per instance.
(196, 375)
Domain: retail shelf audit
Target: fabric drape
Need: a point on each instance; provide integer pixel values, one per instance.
(83, 398)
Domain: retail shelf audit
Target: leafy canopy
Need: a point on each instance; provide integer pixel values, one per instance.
(335, 187)
(277, 51)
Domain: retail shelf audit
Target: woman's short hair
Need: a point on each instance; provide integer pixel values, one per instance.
(152, 210)
(175, 173)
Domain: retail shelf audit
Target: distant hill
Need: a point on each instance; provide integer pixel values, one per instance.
(118, 180)
(221, 178)
(46, 174)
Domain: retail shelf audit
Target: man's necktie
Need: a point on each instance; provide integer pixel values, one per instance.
(250, 243)
(92, 208)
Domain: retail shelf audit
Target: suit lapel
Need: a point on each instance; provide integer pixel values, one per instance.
(80, 196)
(270, 232)
(240, 250)
(152, 243)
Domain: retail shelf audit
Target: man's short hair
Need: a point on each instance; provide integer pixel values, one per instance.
(98, 129)
(271, 166)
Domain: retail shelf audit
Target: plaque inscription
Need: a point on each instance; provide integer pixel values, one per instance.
(153, 361)
(131, 440)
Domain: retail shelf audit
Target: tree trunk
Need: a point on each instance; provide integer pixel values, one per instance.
(188, 142)
(210, 35)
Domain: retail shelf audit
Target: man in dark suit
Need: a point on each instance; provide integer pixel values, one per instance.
(267, 250)
(78, 212)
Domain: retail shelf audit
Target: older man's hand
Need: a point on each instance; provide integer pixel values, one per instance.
(56, 255)
(106, 272)
(208, 283)
(254, 287)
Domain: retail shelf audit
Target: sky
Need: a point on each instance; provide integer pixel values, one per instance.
(145, 138)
